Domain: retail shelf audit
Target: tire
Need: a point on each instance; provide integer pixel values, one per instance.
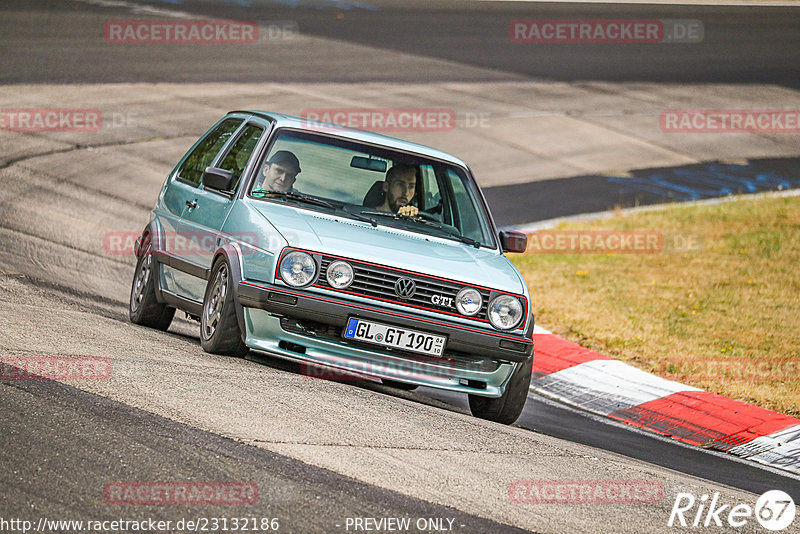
(505, 409)
(143, 307)
(219, 328)
(398, 385)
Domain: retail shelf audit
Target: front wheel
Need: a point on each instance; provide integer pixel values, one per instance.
(507, 408)
(144, 308)
(219, 328)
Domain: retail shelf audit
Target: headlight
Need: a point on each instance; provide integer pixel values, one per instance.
(469, 301)
(298, 268)
(505, 312)
(340, 274)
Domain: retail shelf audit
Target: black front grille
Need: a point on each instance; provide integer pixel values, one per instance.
(379, 282)
(311, 328)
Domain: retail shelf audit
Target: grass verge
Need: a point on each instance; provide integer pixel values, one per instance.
(714, 301)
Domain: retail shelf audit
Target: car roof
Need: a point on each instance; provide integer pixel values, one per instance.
(289, 121)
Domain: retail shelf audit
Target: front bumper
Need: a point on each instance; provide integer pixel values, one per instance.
(306, 327)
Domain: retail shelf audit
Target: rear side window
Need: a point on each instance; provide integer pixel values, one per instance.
(203, 154)
(240, 152)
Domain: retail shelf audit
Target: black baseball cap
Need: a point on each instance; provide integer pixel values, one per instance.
(284, 157)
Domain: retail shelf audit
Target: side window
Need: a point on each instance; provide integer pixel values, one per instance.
(204, 153)
(432, 202)
(468, 215)
(240, 152)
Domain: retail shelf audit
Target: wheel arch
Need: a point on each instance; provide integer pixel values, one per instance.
(156, 232)
(232, 253)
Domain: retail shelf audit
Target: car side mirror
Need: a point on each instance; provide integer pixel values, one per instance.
(216, 178)
(512, 241)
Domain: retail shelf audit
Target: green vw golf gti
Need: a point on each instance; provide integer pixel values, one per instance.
(347, 251)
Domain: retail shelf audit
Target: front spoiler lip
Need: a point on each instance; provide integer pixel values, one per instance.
(335, 312)
(337, 361)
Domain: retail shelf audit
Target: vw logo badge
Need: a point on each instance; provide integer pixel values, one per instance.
(405, 288)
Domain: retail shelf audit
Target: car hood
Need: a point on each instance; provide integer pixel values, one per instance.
(417, 252)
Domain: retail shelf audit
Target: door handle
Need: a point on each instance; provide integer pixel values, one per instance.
(192, 204)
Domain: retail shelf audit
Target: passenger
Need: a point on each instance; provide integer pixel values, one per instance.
(281, 171)
(400, 189)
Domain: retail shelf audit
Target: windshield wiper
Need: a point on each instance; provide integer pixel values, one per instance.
(294, 195)
(427, 222)
(401, 217)
(360, 217)
(462, 238)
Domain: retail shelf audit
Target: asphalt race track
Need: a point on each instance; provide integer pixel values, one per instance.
(562, 197)
(738, 46)
(321, 452)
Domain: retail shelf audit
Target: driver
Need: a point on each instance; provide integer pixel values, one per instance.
(400, 189)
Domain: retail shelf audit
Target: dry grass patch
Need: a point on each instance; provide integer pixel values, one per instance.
(718, 308)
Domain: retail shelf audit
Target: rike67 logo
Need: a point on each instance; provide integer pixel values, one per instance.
(774, 510)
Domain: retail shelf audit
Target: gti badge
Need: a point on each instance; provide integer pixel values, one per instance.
(441, 300)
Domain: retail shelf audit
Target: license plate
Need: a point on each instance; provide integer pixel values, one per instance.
(395, 337)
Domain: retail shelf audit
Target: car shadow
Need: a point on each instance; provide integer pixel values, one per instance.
(359, 381)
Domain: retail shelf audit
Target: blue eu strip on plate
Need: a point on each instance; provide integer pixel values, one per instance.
(351, 328)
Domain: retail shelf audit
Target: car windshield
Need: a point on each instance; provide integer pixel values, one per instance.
(373, 184)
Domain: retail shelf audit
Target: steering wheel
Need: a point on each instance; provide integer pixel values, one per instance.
(427, 217)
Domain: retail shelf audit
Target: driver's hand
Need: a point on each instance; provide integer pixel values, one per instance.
(408, 211)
